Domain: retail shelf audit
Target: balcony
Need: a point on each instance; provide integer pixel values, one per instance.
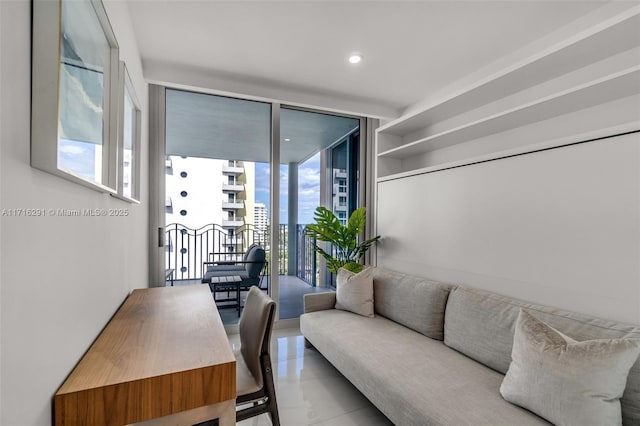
(187, 248)
(232, 169)
(236, 187)
(340, 173)
(342, 207)
(232, 223)
(237, 204)
(235, 240)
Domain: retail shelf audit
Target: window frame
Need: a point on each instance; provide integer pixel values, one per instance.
(126, 88)
(45, 97)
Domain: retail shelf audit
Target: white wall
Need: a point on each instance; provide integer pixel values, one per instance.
(204, 188)
(61, 277)
(558, 227)
(1, 203)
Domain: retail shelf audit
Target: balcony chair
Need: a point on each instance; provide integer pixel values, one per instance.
(225, 265)
(255, 389)
(223, 277)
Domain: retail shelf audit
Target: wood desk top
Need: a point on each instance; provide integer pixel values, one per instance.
(163, 352)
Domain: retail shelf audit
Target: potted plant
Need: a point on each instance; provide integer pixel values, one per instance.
(344, 239)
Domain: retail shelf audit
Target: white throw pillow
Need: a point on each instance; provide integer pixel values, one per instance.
(355, 291)
(565, 381)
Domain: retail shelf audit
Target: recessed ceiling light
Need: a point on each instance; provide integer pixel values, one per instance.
(355, 58)
(287, 140)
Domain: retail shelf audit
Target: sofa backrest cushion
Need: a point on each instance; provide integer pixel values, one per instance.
(481, 324)
(416, 303)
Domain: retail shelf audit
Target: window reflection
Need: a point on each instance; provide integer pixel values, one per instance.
(128, 154)
(85, 53)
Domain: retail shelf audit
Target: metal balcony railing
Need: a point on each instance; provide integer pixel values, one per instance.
(187, 248)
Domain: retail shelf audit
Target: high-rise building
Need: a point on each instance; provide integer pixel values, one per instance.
(261, 221)
(209, 208)
(340, 195)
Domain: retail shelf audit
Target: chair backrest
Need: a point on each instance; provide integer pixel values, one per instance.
(255, 326)
(248, 252)
(256, 259)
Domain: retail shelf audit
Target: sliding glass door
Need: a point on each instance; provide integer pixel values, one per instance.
(315, 151)
(217, 170)
(342, 191)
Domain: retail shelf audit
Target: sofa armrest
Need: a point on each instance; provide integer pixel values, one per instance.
(319, 301)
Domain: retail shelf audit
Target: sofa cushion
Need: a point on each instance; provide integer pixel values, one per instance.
(417, 303)
(413, 380)
(355, 291)
(566, 381)
(481, 324)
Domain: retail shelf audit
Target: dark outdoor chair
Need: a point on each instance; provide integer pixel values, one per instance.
(222, 278)
(225, 264)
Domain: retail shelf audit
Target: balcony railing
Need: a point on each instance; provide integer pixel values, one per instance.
(238, 204)
(307, 260)
(187, 248)
(232, 187)
(232, 169)
(232, 223)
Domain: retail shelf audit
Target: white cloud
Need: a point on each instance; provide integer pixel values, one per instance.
(309, 178)
(71, 149)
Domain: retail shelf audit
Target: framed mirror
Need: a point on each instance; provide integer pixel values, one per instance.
(75, 73)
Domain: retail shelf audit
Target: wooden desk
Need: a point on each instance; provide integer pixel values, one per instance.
(164, 353)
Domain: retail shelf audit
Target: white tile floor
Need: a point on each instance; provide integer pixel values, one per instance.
(292, 291)
(310, 391)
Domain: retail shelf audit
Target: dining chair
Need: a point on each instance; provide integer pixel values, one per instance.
(254, 377)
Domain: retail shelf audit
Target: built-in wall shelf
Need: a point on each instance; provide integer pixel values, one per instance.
(626, 128)
(586, 95)
(597, 66)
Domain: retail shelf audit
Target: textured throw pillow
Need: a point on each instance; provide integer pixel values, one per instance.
(355, 291)
(565, 381)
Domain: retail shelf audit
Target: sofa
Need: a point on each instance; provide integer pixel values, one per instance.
(436, 353)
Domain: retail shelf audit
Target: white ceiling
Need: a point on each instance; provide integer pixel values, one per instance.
(206, 126)
(411, 49)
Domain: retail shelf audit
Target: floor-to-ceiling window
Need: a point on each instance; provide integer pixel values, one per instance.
(218, 163)
(343, 160)
(312, 169)
(217, 158)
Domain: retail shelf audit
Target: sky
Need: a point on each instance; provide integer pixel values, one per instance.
(77, 157)
(308, 188)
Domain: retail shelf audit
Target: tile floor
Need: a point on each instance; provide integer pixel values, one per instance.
(310, 390)
(292, 291)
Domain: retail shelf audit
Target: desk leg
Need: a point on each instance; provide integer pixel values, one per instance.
(224, 411)
(228, 414)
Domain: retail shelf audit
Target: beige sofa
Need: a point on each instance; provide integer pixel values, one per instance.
(436, 354)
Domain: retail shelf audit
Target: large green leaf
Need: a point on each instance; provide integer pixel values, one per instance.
(343, 239)
(357, 221)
